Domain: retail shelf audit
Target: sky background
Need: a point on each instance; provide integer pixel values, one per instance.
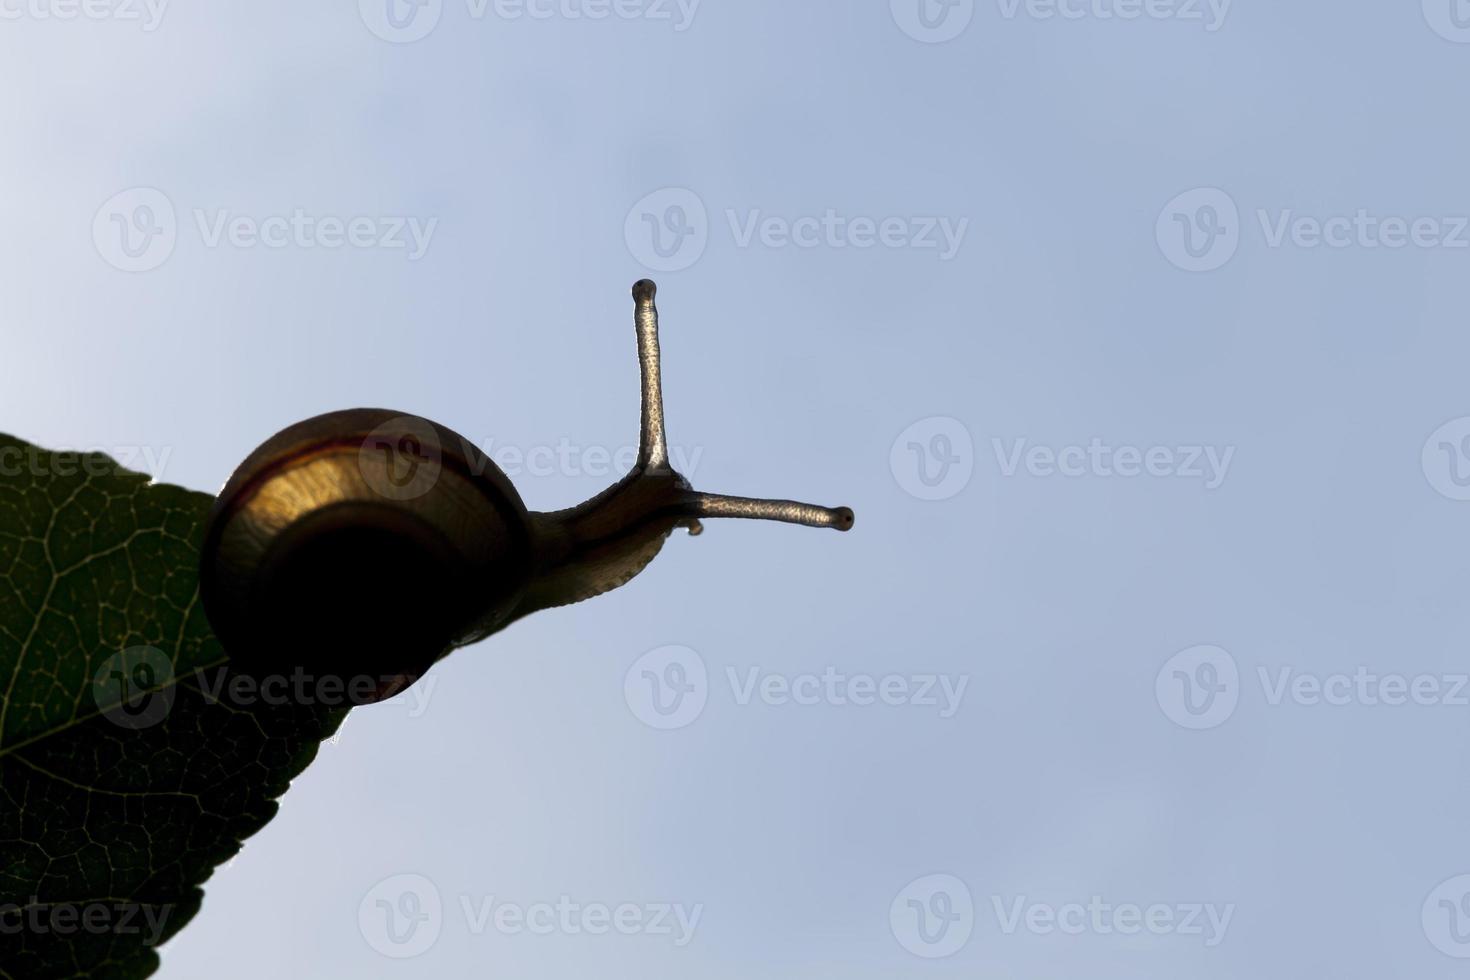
(1132, 285)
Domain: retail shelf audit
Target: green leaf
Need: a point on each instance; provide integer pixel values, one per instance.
(126, 776)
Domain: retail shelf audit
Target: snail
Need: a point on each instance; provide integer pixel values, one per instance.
(367, 544)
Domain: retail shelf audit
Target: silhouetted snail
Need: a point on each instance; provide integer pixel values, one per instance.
(367, 543)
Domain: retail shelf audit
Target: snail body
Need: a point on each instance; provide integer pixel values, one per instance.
(368, 543)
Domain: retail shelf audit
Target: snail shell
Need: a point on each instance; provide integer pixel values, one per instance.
(363, 544)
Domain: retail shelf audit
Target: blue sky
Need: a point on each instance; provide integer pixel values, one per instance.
(1132, 331)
